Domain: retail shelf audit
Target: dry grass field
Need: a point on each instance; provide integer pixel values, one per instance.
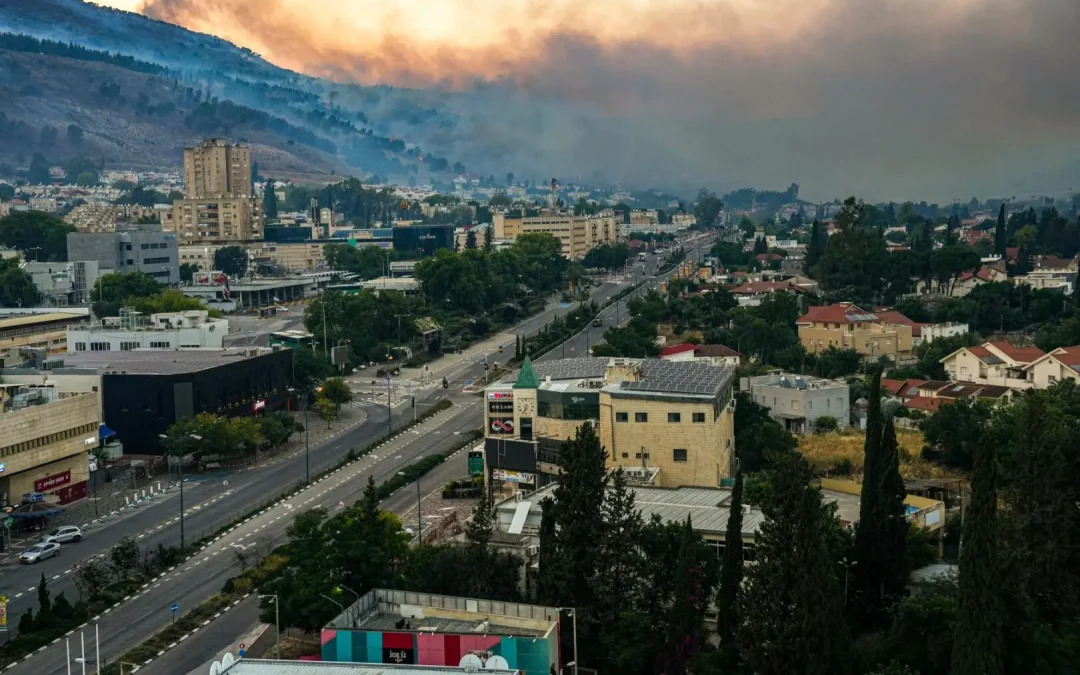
(825, 450)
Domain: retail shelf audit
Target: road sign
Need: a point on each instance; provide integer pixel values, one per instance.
(242, 646)
(242, 652)
(175, 607)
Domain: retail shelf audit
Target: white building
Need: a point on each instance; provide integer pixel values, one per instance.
(172, 330)
(997, 363)
(928, 332)
(63, 283)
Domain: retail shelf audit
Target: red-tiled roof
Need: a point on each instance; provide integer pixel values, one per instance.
(769, 256)
(980, 352)
(896, 318)
(925, 403)
(1070, 356)
(1052, 262)
(832, 313)
(757, 287)
(1020, 354)
(715, 350)
(1012, 253)
(910, 388)
(677, 349)
(892, 386)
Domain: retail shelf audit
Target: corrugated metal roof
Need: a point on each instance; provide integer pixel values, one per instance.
(33, 319)
(264, 667)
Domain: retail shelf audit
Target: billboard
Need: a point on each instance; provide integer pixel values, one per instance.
(339, 355)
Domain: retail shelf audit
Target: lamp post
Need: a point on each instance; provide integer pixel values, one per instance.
(419, 523)
(342, 608)
(847, 569)
(277, 623)
(307, 446)
(180, 475)
(341, 587)
(573, 614)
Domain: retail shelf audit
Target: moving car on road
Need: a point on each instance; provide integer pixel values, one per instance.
(597, 322)
(63, 535)
(37, 552)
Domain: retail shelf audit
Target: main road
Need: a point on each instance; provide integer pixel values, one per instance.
(217, 500)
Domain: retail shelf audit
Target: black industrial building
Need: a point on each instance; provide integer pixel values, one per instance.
(425, 238)
(144, 392)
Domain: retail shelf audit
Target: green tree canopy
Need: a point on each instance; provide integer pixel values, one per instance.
(39, 235)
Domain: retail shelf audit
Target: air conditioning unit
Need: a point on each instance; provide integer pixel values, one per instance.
(532, 550)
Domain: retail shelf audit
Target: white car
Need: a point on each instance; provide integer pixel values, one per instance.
(38, 552)
(63, 535)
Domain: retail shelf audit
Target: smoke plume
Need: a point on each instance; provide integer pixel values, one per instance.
(930, 99)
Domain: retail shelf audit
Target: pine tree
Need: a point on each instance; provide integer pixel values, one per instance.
(693, 586)
(44, 613)
(489, 239)
(977, 645)
(881, 535)
(619, 568)
(482, 525)
(791, 605)
(731, 573)
(270, 208)
(470, 239)
(1000, 240)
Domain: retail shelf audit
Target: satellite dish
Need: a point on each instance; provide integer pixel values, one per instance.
(497, 663)
(471, 663)
(227, 660)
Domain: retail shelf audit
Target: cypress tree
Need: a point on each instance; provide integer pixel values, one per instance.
(1000, 239)
(270, 208)
(792, 605)
(977, 645)
(815, 248)
(686, 618)
(470, 239)
(489, 239)
(731, 572)
(548, 584)
(881, 535)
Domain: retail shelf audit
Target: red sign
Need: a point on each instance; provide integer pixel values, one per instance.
(49, 482)
(72, 493)
(258, 405)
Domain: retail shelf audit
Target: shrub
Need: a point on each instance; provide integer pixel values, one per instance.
(825, 424)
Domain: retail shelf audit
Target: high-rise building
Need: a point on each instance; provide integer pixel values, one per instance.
(219, 206)
(215, 169)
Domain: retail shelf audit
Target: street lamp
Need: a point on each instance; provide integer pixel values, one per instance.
(573, 614)
(307, 444)
(419, 523)
(277, 622)
(180, 476)
(342, 587)
(843, 562)
(340, 606)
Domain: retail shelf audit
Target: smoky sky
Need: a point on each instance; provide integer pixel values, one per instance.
(885, 99)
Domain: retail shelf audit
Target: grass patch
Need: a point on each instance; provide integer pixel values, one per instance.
(827, 451)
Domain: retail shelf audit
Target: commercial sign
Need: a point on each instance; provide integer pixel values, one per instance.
(3, 612)
(501, 406)
(500, 396)
(54, 481)
(502, 426)
(513, 476)
(258, 405)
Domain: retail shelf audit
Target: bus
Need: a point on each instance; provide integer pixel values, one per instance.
(476, 461)
(292, 338)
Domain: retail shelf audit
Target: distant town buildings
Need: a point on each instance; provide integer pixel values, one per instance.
(798, 401)
(142, 248)
(577, 234)
(168, 330)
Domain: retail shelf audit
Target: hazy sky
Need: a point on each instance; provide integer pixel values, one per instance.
(930, 99)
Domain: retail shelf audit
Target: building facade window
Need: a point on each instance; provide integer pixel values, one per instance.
(128, 346)
(679, 454)
(674, 417)
(80, 346)
(641, 417)
(622, 417)
(699, 418)
(100, 347)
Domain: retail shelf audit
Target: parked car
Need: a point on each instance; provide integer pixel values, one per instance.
(37, 552)
(63, 535)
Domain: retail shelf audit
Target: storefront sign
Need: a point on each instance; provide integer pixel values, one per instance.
(513, 476)
(501, 406)
(258, 405)
(502, 426)
(51, 482)
(500, 396)
(71, 493)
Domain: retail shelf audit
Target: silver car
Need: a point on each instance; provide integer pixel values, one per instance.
(37, 552)
(63, 535)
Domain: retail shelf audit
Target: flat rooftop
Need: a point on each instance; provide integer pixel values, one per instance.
(405, 611)
(261, 667)
(27, 320)
(160, 361)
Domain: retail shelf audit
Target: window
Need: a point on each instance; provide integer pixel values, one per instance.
(130, 261)
(526, 430)
(155, 261)
(809, 405)
(674, 417)
(626, 455)
(159, 345)
(127, 247)
(622, 417)
(641, 417)
(699, 418)
(100, 347)
(144, 246)
(680, 454)
(80, 346)
(828, 403)
(774, 400)
(128, 346)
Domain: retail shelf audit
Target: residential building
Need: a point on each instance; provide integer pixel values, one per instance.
(666, 423)
(846, 326)
(1056, 366)
(997, 363)
(37, 331)
(215, 168)
(167, 330)
(716, 355)
(219, 206)
(797, 401)
(63, 283)
(400, 627)
(202, 257)
(44, 443)
(928, 332)
(578, 234)
(294, 257)
(144, 248)
(751, 293)
(925, 512)
(987, 274)
(1048, 279)
(104, 217)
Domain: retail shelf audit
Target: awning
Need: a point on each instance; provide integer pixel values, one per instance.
(35, 510)
(105, 432)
